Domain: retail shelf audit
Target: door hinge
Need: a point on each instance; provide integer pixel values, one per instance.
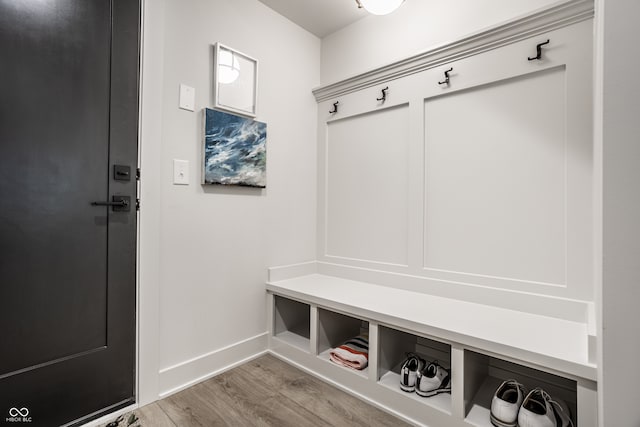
(138, 174)
(137, 204)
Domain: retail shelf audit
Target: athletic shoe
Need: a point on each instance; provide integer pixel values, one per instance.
(432, 380)
(409, 372)
(506, 403)
(540, 410)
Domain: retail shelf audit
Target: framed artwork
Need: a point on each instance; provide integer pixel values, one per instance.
(235, 151)
(235, 81)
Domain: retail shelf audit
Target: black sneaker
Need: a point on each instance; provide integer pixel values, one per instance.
(409, 372)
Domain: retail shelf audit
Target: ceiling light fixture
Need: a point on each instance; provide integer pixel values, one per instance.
(379, 7)
(228, 67)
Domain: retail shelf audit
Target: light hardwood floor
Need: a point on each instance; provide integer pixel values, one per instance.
(263, 392)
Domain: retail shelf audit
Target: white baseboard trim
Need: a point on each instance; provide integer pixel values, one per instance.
(185, 374)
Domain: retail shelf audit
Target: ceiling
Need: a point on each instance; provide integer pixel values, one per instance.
(320, 17)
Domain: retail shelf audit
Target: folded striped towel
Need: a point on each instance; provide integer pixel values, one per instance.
(353, 353)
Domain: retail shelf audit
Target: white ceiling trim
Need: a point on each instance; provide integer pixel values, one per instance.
(515, 30)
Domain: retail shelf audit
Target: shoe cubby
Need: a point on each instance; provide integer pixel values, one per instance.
(393, 348)
(336, 328)
(483, 375)
(292, 322)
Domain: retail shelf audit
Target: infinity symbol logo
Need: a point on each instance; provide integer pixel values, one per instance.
(14, 412)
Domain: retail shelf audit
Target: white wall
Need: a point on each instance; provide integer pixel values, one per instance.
(214, 244)
(618, 131)
(415, 27)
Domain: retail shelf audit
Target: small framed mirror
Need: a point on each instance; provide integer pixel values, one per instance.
(235, 78)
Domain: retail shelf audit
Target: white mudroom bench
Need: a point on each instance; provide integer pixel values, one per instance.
(310, 313)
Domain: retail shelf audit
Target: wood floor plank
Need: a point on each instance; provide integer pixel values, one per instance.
(265, 392)
(272, 370)
(332, 405)
(261, 405)
(153, 415)
(195, 407)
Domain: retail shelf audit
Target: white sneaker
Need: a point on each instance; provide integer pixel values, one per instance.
(506, 403)
(409, 372)
(540, 410)
(432, 380)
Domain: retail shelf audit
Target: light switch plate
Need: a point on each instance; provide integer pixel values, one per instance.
(180, 172)
(187, 97)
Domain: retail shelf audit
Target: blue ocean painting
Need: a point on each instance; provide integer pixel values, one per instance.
(235, 150)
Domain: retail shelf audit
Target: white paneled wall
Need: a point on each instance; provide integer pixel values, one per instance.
(367, 186)
(495, 179)
(484, 183)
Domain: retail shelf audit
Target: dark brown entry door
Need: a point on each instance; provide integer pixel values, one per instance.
(68, 117)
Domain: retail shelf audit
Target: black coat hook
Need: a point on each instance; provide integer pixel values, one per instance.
(335, 107)
(539, 51)
(446, 77)
(384, 94)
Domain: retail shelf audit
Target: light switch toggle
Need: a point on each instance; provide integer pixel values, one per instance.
(180, 172)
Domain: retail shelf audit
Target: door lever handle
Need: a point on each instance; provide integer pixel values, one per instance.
(121, 203)
(118, 203)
